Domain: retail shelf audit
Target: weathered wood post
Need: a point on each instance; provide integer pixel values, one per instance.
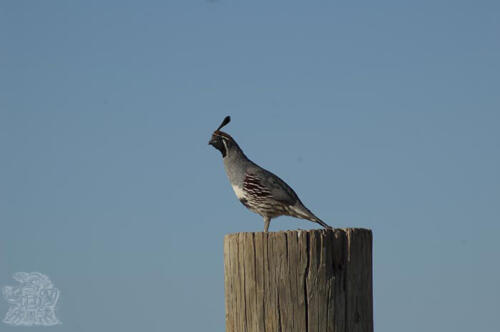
(304, 281)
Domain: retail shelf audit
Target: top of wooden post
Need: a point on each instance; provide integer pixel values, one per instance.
(348, 230)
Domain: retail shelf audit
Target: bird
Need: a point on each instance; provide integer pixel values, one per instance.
(257, 188)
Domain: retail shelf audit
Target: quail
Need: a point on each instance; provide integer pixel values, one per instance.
(258, 189)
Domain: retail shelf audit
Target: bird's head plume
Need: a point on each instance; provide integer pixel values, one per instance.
(222, 141)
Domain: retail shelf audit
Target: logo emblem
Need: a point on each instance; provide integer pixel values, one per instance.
(33, 302)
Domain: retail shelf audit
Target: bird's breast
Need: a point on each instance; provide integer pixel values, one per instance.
(239, 192)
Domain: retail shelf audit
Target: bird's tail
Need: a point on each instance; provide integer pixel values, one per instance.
(305, 213)
(321, 222)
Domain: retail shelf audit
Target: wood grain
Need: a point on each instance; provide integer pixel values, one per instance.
(304, 281)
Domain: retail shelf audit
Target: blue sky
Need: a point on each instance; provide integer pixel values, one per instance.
(382, 115)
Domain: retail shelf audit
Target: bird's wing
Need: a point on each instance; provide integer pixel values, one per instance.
(274, 187)
(255, 186)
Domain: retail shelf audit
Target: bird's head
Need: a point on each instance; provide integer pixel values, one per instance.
(223, 141)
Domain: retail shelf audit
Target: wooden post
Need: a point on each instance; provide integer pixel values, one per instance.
(304, 281)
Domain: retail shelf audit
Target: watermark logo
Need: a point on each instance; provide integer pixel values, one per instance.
(33, 302)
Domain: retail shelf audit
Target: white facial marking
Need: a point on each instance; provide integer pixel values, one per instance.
(225, 144)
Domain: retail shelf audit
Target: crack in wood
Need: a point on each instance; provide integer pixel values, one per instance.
(279, 312)
(306, 274)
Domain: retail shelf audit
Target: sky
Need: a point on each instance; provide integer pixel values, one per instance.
(383, 115)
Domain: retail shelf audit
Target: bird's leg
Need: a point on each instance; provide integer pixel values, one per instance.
(267, 221)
